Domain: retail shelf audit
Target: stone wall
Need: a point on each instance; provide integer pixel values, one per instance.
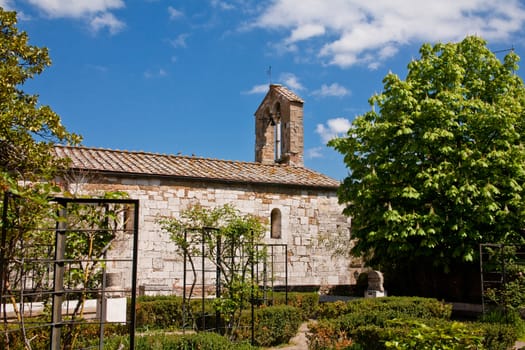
(309, 218)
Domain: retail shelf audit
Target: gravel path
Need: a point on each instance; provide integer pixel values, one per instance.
(298, 342)
(519, 345)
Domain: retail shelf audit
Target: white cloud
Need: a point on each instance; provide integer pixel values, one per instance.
(315, 152)
(306, 32)
(76, 8)
(333, 89)
(95, 12)
(179, 41)
(223, 5)
(290, 80)
(98, 68)
(333, 128)
(369, 32)
(9, 5)
(174, 13)
(257, 89)
(6, 4)
(160, 73)
(107, 20)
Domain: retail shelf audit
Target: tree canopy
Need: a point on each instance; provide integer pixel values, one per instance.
(28, 130)
(438, 164)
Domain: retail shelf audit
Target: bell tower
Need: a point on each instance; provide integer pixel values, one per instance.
(279, 133)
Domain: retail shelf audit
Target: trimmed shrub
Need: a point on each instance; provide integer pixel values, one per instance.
(160, 313)
(306, 302)
(496, 336)
(274, 325)
(506, 317)
(393, 306)
(403, 323)
(165, 312)
(325, 334)
(440, 335)
(203, 340)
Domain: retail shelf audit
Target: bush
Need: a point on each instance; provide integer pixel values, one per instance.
(87, 335)
(393, 306)
(440, 335)
(393, 323)
(306, 302)
(325, 334)
(165, 312)
(406, 333)
(161, 313)
(274, 325)
(204, 340)
(509, 317)
(497, 336)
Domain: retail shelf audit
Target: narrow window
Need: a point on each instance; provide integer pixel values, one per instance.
(277, 136)
(277, 132)
(275, 223)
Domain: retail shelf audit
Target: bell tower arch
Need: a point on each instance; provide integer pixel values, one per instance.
(279, 131)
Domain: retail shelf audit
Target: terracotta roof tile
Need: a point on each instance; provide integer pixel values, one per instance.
(290, 96)
(184, 167)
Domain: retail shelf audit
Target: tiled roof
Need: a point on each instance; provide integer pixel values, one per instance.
(184, 167)
(290, 96)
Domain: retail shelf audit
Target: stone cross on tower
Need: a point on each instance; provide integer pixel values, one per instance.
(279, 134)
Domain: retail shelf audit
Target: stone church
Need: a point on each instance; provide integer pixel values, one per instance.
(299, 206)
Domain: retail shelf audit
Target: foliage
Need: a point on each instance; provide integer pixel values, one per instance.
(274, 325)
(28, 269)
(447, 336)
(325, 334)
(166, 312)
(40, 340)
(230, 242)
(211, 341)
(162, 313)
(306, 302)
(497, 336)
(440, 167)
(408, 333)
(505, 317)
(386, 308)
(503, 260)
(27, 130)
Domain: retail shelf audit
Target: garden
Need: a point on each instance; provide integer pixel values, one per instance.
(375, 323)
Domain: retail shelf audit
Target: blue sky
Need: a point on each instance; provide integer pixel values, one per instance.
(187, 76)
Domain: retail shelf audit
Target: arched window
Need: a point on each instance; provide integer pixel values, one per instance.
(275, 223)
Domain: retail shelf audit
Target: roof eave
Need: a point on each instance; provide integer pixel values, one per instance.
(210, 179)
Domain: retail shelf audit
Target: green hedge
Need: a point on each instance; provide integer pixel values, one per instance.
(406, 333)
(87, 335)
(162, 313)
(165, 312)
(392, 306)
(274, 325)
(403, 323)
(308, 303)
(203, 340)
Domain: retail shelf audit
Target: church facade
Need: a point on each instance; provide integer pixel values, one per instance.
(299, 206)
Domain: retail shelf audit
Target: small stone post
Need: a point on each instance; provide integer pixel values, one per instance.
(375, 285)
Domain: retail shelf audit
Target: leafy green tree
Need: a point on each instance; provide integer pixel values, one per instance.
(28, 130)
(438, 164)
